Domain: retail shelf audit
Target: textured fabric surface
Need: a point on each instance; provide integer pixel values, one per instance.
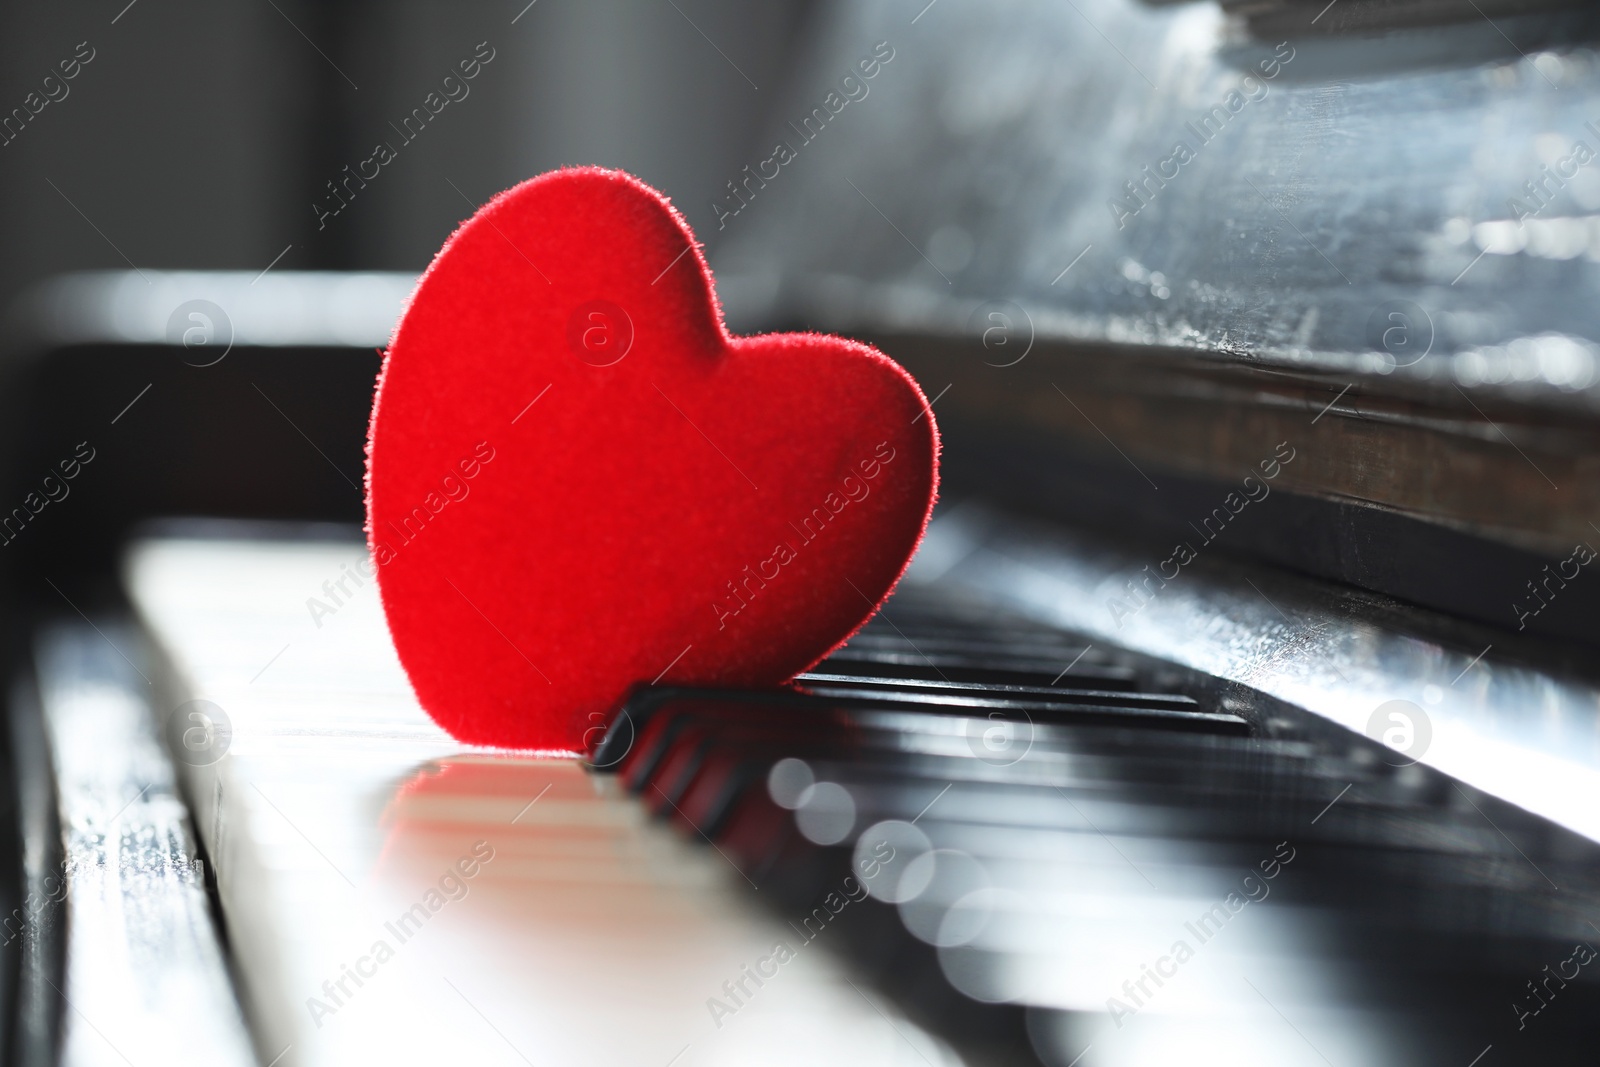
(577, 480)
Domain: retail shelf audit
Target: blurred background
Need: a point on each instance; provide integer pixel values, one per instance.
(200, 134)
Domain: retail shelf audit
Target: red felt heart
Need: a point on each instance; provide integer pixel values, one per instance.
(579, 480)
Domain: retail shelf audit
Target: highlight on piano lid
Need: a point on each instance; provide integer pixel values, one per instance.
(1241, 704)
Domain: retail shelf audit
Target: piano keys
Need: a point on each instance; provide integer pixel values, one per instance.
(1109, 865)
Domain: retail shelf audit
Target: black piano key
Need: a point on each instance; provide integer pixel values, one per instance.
(828, 683)
(679, 734)
(629, 726)
(952, 667)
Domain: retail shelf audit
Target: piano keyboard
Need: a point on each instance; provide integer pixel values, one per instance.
(965, 837)
(1142, 875)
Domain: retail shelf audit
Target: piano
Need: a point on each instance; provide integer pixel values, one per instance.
(1241, 705)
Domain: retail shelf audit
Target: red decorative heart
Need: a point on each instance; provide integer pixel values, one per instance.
(579, 480)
